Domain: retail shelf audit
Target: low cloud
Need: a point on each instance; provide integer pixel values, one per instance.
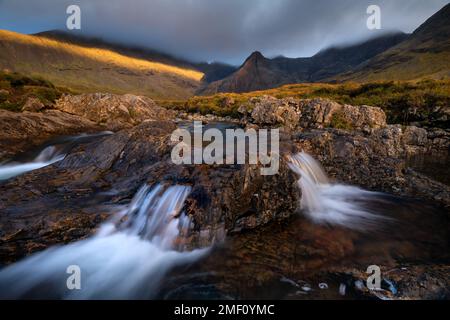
(221, 30)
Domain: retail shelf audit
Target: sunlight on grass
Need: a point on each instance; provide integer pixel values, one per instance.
(396, 98)
(102, 55)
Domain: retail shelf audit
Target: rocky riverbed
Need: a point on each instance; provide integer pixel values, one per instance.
(253, 220)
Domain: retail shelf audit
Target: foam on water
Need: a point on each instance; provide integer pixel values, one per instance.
(325, 202)
(47, 156)
(127, 258)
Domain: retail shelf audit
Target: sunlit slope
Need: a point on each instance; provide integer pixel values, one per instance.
(88, 69)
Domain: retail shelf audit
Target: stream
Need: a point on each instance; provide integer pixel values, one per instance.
(53, 151)
(139, 251)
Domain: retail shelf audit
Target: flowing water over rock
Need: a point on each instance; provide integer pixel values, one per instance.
(295, 258)
(46, 156)
(127, 258)
(326, 255)
(141, 251)
(325, 202)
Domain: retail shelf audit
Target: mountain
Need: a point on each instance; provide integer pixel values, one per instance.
(425, 53)
(212, 71)
(215, 71)
(84, 65)
(259, 72)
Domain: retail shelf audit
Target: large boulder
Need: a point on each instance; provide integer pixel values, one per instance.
(401, 141)
(23, 131)
(415, 138)
(317, 113)
(112, 110)
(322, 113)
(269, 111)
(438, 139)
(33, 105)
(376, 161)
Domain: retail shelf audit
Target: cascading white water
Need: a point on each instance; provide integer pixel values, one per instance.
(127, 258)
(324, 202)
(47, 156)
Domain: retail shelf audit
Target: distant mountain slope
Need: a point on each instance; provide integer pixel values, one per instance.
(213, 71)
(89, 69)
(79, 38)
(259, 73)
(426, 53)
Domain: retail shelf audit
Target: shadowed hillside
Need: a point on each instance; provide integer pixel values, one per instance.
(259, 72)
(396, 56)
(426, 53)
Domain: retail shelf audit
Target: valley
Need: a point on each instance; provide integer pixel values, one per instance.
(138, 168)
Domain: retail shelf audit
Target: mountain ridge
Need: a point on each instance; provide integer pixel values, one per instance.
(425, 53)
(394, 56)
(270, 73)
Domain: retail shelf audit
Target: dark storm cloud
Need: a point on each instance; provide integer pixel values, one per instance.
(223, 30)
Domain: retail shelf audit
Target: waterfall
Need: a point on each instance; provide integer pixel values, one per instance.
(127, 258)
(46, 157)
(327, 203)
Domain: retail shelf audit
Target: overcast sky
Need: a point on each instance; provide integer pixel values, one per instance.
(221, 30)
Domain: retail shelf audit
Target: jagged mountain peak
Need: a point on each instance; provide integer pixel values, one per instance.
(254, 59)
(259, 72)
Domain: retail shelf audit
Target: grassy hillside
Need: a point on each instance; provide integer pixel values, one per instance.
(403, 63)
(212, 71)
(425, 54)
(398, 99)
(90, 69)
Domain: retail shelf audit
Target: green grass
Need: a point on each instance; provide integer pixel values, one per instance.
(16, 88)
(397, 99)
(339, 121)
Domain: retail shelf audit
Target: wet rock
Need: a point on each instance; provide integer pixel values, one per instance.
(240, 198)
(113, 111)
(68, 205)
(224, 198)
(414, 282)
(22, 131)
(33, 105)
(375, 161)
(432, 116)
